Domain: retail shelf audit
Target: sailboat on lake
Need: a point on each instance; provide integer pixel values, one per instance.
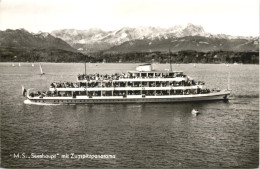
(42, 73)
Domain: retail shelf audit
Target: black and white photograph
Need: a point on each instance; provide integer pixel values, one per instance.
(129, 83)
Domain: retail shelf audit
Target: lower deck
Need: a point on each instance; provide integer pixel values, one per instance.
(137, 99)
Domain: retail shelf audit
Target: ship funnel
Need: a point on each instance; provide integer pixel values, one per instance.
(145, 68)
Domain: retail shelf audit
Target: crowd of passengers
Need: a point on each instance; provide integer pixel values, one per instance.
(56, 93)
(124, 84)
(118, 76)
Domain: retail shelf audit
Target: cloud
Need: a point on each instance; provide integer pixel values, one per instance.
(237, 17)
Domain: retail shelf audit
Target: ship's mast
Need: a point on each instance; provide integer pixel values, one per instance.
(228, 80)
(170, 60)
(85, 68)
(85, 65)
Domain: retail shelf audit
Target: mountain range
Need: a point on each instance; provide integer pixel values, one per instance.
(80, 45)
(145, 39)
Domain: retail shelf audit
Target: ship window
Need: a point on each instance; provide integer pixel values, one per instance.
(143, 74)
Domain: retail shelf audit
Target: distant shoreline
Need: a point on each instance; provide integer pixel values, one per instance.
(100, 63)
(186, 56)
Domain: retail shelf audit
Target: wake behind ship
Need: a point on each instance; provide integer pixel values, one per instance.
(139, 86)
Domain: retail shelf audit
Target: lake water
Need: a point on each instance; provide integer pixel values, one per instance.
(225, 134)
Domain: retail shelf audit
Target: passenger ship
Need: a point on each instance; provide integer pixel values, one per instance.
(139, 86)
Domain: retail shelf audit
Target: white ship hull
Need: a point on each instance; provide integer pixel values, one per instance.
(222, 95)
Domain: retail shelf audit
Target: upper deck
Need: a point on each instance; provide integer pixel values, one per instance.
(141, 74)
(134, 76)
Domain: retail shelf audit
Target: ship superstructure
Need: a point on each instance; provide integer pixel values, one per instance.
(142, 85)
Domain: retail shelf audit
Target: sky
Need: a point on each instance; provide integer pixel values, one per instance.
(232, 17)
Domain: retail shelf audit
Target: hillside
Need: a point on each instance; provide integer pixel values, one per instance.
(187, 56)
(20, 45)
(20, 38)
(9, 54)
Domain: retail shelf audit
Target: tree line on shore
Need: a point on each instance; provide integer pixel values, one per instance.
(187, 56)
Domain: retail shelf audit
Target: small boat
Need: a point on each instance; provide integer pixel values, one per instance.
(194, 112)
(13, 65)
(32, 65)
(19, 64)
(23, 91)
